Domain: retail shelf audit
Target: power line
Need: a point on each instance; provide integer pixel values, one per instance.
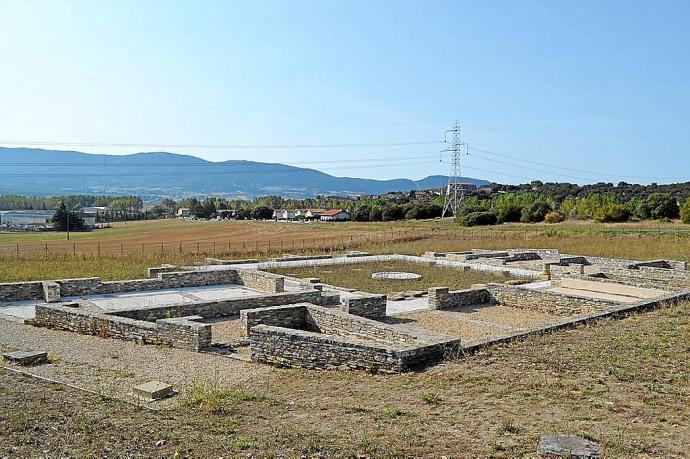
(203, 173)
(224, 146)
(553, 166)
(208, 163)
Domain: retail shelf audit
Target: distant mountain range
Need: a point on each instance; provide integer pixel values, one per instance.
(157, 175)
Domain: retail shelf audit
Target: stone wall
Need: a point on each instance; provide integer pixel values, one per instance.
(183, 333)
(275, 316)
(335, 322)
(304, 349)
(545, 301)
(663, 264)
(369, 306)
(261, 280)
(19, 291)
(442, 298)
(308, 349)
(221, 308)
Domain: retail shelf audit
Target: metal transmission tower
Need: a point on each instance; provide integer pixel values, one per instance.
(454, 191)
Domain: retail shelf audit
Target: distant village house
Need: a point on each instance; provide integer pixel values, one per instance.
(336, 215)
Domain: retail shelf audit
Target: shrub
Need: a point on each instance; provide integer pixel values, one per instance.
(535, 212)
(478, 219)
(553, 217)
(662, 205)
(262, 213)
(508, 213)
(361, 214)
(685, 212)
(376, 214)
(422, 211)
(392, 213)
(612, 213)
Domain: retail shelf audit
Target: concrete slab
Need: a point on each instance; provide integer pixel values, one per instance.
(151, 298)
(611, 288)
(594, 295)
(408, 305)
(21, 310)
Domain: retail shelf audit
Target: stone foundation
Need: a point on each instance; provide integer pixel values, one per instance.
(309, 336)
(369, 306)
(442, 298)
(182, 332)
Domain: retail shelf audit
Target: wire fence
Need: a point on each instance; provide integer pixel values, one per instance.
(379, 240)
(216, 247)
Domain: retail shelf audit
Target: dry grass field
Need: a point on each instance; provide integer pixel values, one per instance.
(127, 250)
(623, 383)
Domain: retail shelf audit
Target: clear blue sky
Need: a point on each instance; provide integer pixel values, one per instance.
(598, 86)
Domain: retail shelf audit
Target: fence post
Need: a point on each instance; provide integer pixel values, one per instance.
(142, 248)
(46, 249)
(214, 248)
(17, 248)
(99, 249)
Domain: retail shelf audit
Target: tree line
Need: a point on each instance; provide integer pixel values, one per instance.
(533, 207)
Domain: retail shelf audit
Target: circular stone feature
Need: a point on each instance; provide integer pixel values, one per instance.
(392, 275)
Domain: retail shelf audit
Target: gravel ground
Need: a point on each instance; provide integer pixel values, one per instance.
(226, 330)
(514, 317)
(476, 323)
(113, 367)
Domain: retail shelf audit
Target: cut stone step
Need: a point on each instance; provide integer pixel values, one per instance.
(153, 390)
(26, 358)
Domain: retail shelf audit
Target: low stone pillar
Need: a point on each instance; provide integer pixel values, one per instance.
(438, 297)
(153, 272)
(546, 272)
(51, 291)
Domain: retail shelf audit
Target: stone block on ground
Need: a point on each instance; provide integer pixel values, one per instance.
(153, 390)
(26, 358)
(312, 280)
(551, 446)
(51, 291)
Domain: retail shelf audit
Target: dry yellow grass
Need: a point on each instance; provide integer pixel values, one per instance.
(251, 239)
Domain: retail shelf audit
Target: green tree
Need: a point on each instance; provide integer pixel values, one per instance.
(685, 212)
(361, 214)
(64, 219)
(663, 205)
(612, 213)
(376, 214)
(262, 213)
(477, 219)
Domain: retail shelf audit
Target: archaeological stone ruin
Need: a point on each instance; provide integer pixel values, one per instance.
(237, 309)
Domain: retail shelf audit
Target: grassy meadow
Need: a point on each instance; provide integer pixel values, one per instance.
(359, 276)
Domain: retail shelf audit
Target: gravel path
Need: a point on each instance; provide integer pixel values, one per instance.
(113, 367)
